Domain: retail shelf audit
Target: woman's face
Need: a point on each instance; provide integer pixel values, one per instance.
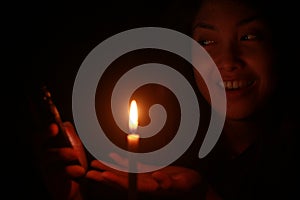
(239, 42)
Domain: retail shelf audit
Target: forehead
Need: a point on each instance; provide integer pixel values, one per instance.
(229, 10)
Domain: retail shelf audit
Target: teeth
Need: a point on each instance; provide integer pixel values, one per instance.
(235, 84)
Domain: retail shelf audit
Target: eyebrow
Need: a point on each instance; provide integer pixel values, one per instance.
(240, 23)
(249, 20)
(203, 25)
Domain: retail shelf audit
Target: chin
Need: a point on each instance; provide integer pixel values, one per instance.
(239, 114)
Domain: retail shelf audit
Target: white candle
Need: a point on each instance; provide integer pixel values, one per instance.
(133, 141)
(133, 138)
(133, 144)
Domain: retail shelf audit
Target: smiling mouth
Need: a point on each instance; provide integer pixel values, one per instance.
(236, 84)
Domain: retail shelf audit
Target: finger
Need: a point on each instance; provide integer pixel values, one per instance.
(52, 130)
(164, 180)
(106, 178)
(76, 144)
(69, 125)
(101, 166)
(95, 175)
(147, 183)
(75, 171)
(116, 178)
(71, 134)
(64, 155)
(42, 136)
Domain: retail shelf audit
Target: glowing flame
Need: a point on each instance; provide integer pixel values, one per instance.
(133, 117)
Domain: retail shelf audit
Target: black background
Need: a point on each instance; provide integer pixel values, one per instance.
(47, 42)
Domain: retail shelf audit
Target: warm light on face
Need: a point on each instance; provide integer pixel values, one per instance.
(133, 117)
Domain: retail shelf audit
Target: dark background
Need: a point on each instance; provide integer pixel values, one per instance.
(48, 42)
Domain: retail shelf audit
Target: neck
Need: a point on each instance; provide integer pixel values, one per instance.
(238, 135)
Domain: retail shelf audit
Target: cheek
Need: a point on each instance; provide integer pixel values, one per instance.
(266, 73)
(268, 85)
(261, 55)
(264, 68)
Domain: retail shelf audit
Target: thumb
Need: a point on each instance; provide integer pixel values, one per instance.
(76, 144)
(163, 179)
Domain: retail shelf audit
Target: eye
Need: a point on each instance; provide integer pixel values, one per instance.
(249, 37)
(206, 42)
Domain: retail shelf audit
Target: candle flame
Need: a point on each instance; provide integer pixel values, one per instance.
(133, 117)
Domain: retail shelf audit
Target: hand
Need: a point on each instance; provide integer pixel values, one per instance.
(57, 163)
(168, 181)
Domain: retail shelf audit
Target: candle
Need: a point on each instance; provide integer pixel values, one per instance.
(133, 143)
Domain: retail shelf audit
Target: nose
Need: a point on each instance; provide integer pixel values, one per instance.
(229, 58)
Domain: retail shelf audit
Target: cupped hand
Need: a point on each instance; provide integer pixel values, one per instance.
(170, 180)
